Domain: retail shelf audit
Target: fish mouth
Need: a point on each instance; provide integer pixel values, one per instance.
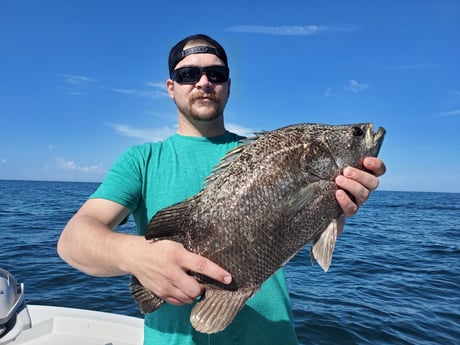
(374, 140)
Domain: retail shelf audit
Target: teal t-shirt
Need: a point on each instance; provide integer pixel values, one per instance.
(149, 177)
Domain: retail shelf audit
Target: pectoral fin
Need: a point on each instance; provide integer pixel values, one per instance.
(217, 309)
(323, 247)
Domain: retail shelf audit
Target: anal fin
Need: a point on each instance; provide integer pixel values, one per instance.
(217, 309)
(323, 247)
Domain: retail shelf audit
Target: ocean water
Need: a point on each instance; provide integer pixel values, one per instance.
(394, 278)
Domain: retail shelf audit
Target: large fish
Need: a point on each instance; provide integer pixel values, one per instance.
(262, 204)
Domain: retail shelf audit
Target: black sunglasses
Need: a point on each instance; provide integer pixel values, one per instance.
(192, 74)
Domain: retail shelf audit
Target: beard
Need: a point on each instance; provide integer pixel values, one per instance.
(204, 106)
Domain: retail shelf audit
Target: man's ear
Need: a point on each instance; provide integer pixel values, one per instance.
(229, 84)
(170, 87)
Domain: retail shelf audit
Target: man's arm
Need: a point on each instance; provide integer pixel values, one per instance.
(90, 244)
(88, 241)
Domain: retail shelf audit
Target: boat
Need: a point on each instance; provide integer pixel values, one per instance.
(53, 325)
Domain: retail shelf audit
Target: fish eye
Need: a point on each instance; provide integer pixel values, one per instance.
(357, 131)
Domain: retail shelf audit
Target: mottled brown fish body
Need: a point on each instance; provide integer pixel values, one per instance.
(262, 204)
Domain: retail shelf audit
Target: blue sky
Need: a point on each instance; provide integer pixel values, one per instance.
(81, 81)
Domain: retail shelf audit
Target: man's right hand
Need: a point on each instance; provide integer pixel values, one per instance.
(163, 267)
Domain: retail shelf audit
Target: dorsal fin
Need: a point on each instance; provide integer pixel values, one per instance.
(226, 160)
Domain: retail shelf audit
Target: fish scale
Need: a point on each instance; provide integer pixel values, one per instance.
(261, 205)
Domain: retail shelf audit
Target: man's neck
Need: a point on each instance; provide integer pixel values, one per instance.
(190, 127)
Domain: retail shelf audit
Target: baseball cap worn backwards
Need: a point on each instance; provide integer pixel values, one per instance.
(177, 52)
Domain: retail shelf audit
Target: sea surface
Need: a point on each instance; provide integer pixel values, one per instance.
(394, 278)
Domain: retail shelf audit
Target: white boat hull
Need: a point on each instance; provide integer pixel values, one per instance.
(57, 326)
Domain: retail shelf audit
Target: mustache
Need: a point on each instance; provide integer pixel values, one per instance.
(198, 95)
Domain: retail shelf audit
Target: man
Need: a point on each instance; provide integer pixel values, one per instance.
(152, 176)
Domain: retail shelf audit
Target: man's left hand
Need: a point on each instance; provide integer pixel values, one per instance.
(359, 184)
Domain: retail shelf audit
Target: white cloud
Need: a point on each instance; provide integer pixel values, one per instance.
(454, 93)
(240, 130)
(130, 91)
(327, 93)
(449, 113)
(140, 93)
(290, 30)
(76, 84)
(76, 79)
(158, 134)
(67, 165)
(2, 160)
(162, 116)
(416, 66)
(91, 168)
(157, 90)
(70, 165)
(154, 134)
(354, 86)
(156, 85)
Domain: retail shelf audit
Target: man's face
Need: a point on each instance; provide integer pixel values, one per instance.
(203, 100)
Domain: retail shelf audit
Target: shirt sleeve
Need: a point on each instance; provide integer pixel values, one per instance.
(123, 182)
